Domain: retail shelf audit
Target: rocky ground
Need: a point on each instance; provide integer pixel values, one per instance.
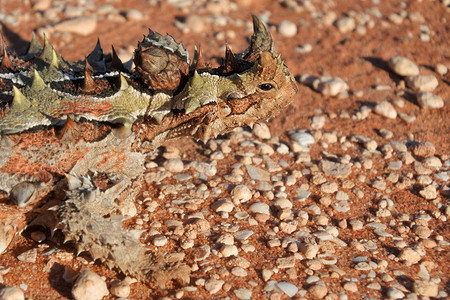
(343, 196)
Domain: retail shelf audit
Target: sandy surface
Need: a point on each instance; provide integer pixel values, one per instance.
(359, 57)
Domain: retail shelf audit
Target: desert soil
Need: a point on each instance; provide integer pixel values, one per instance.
(343, 198)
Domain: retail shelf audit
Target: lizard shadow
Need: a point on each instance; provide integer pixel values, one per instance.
(56, 279)
(15, 41)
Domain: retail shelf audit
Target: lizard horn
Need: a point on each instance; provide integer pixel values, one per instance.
(88, 82)
(261, 40)
(6, 62)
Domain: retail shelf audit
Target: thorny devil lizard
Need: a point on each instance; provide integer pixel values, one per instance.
(63, 123)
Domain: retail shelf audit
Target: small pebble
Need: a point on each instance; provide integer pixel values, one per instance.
(351, 287)
(287, 29)
(426, 288)
(229, 250)
(174, 165)
(345, 24)
(386, 109)
(260, 208)
(410, 256)
(134, 15)
(393, 293)
(213, 285)
(422, 83)
(262, 131)
(428, 100)
(309, 250)
(306, 48)
(89, 286)
(318, 291)
(243, 293)
(82, 25)
(403, 66)
(11, 293)
(424, 150)
(288, 288)
(429, 192)
(121, 288)
(441, 69)
(332, 86)
(241, 193)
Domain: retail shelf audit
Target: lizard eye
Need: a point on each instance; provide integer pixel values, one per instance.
(266, 87)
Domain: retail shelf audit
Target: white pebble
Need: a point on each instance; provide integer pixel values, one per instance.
(260, 208)
(89, 286)
(213, 285)
(262, 131)
(288, 288)
(423, 83)
(160, 241)
(82, 25)
(134, 15)
(306, 48)
(174, 165)
(287, 29)
(241, 193)
(223, 205)
(11, 293)
(441, 69)
(332, 86)
(121, 289)
(345, 24)
(403, 66)
(386, 109)
(229, 250)
(428, 100)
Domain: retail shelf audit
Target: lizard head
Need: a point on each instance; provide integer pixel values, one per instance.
(251, 86)
(248, 87)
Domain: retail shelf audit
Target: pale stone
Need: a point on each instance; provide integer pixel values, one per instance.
(318, 291)
(428, 100)
(241, 193)
(426, 288)
(309, 250)
(345, 24)
(332, 86)
(89, 286)
(423, 83)
(213, 285)
(260, 208)
(229, 250)
(262, 131)
(81, 25)
(287, 29)
(386, 109)
(121, 289)
(11, 293)
(403, 66)
(410, 256)
(174, 165)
